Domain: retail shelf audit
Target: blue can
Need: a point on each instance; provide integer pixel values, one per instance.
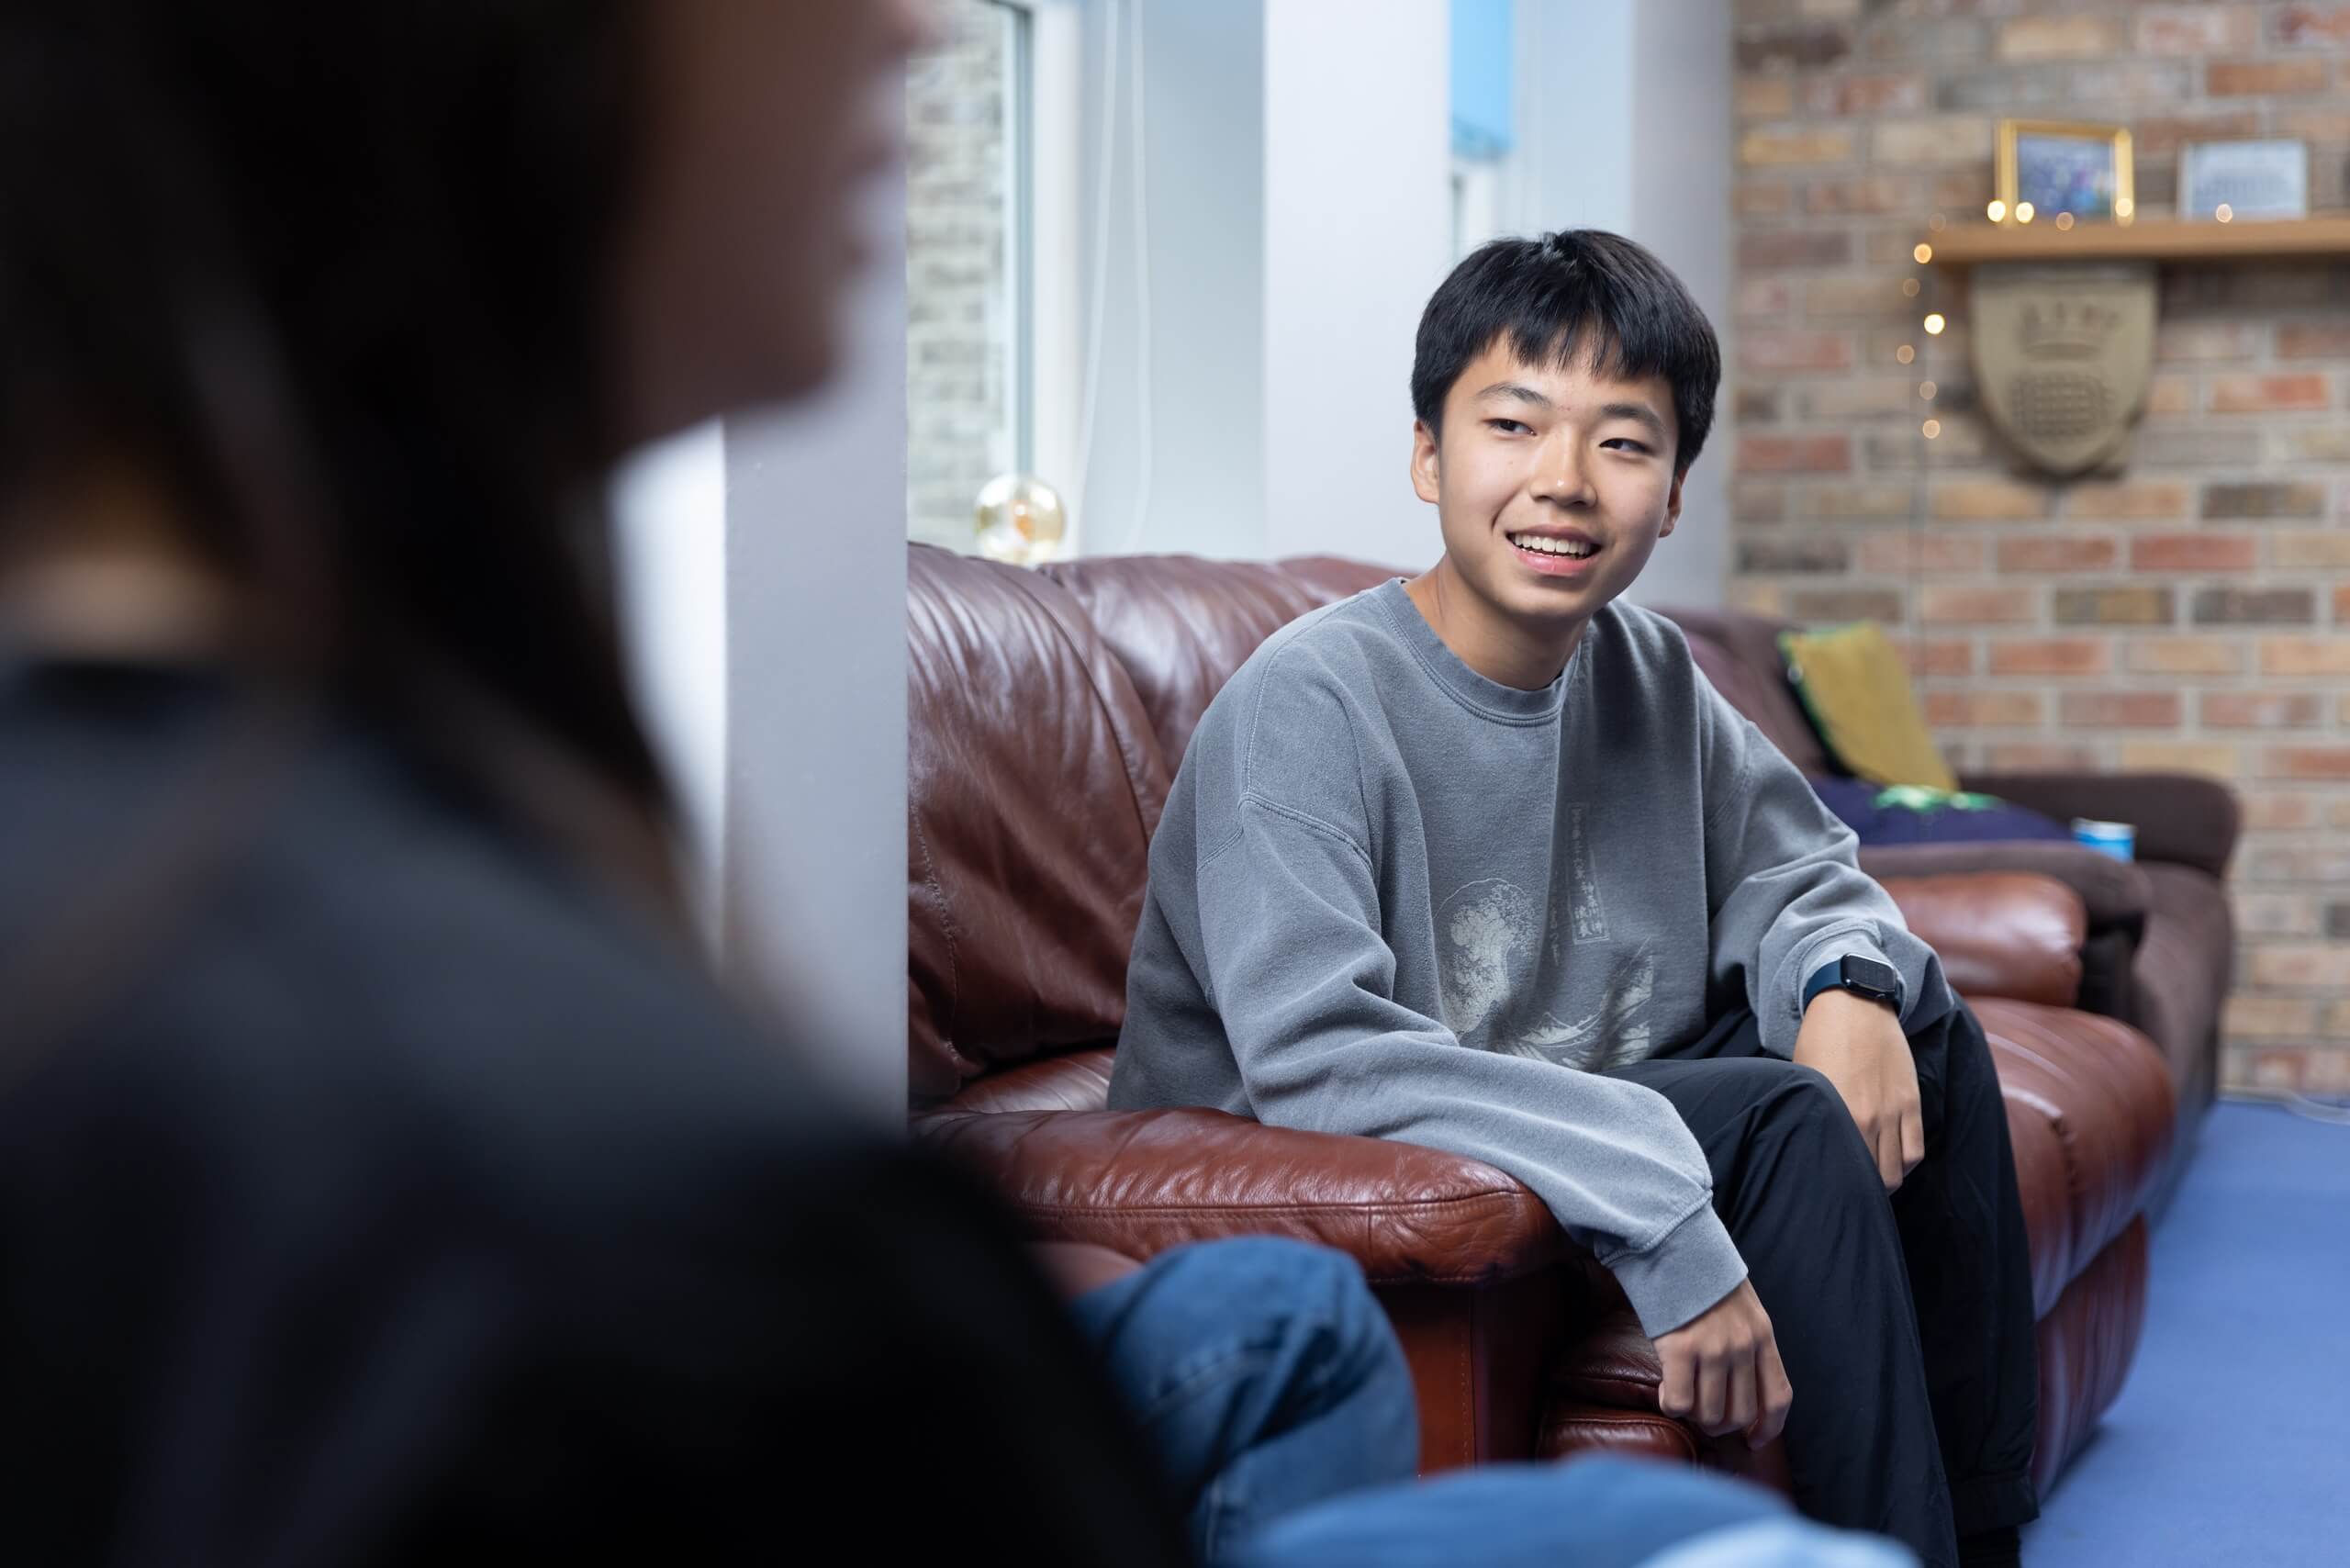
(2117, 839)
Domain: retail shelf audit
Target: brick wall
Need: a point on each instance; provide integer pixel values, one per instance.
(959, 298)
(2190, 610)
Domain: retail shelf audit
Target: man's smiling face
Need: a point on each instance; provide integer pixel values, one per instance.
(1552, 484)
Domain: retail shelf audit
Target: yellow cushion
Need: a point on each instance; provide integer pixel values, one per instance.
(1853, 684)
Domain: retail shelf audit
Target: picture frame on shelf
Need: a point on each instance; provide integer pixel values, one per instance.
(2250, 179)
(2053, 169)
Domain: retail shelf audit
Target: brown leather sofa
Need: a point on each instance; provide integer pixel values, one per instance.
(1048, 709)
(2161, 948)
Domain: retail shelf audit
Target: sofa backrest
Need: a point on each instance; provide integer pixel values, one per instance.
(1182, 625)
(1033, 784)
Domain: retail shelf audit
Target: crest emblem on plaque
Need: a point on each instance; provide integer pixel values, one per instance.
(2063, 356)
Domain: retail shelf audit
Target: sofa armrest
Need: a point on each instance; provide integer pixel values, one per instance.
(2113, 892)
(2180, 817)
(2007, 934)
(1141, 1181)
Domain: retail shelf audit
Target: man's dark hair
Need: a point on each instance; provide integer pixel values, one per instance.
(1581, 295)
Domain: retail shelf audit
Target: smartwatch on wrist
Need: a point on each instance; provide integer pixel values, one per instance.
(1861, 977)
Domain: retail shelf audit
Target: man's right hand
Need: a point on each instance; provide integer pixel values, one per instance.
(1722, 1370)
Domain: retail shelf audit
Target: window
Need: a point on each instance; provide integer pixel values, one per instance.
(964, 274)
(1484, 56)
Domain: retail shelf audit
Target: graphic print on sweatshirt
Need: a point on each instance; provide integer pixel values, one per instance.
(1504, 958)
(1587, 915)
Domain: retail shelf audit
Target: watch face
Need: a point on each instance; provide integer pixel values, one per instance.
(1872, 979)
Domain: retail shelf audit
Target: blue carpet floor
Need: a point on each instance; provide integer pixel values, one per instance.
(2231, 1443)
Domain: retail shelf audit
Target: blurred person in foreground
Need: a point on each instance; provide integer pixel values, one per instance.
(381, 1176)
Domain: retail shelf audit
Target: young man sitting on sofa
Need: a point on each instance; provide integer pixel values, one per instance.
(1480, 861)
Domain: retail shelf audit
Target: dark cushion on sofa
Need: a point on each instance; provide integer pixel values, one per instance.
(1881, 816)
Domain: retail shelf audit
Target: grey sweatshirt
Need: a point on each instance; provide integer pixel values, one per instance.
(1392, 898)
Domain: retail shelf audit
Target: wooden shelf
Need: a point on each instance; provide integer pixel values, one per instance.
(2156, 240)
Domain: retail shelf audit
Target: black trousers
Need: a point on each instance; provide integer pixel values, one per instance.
(1905, 1322)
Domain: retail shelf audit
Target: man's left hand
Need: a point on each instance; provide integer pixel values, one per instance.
(1859, 1044)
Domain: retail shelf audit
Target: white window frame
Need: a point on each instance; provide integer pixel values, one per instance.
(1477, 196)
(1046, 251)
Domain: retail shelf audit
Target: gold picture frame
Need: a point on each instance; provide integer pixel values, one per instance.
(2087, 191)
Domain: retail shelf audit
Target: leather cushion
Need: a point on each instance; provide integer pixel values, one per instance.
(2000, 934)
(2045, 1184)
(1332, 577)
(1568, 1428)
(2102, 1088)
(2115, 892)
(1613, 1362)
(1612, 1369)
(1141, 1181)
(2086, 1343)
(1181, 626)
(2183, 965)
(1033, 784)
(1079, 1081)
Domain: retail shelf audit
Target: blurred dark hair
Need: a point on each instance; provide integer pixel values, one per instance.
(338, 275)
(1576, 296)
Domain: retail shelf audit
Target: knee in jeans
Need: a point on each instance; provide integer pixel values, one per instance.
(1282, 1267)
(1315, 1300)
(1296, 1280)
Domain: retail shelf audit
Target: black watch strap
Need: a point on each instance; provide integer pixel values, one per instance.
(1863, 977)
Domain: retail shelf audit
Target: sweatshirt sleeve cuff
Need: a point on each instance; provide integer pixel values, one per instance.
(1783, 1020)
(1688, 1270)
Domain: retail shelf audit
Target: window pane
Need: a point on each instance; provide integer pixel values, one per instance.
(1482, 58)
(962, 234)
(1484, 134)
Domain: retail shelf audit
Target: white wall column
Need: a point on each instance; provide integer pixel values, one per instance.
(1682, 152)
(1627, 126)
(1176, 461)
(816, 697)
(1357, 234)
(669, 511)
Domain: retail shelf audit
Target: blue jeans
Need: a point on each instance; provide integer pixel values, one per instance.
(1600, 1512)
(1279, 1401)
(1263, 1373)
